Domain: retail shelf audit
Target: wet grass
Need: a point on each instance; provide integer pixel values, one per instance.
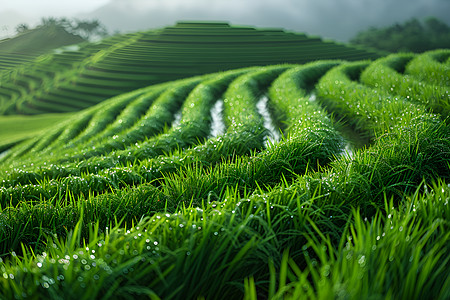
(181, 214)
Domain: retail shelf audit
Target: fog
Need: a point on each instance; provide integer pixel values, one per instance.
(334, 19)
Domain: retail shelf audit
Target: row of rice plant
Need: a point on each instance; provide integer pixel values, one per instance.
(259, 227)
(39, 74)
(194, 123)
(11, 60)
(430, 67)
(54, 172)
(371, 111)
(272, 224)
(387, 74)
(306, 146)
(124, 63)
(400, 253)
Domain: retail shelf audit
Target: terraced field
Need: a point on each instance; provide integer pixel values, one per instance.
(25, 47)
(88, 74)
(321, 180)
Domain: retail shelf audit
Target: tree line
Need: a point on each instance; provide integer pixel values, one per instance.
(413, 35)
(87, 29)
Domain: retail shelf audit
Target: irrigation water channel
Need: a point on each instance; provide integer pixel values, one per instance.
(217, 124)
(177, 119)
(263, 110)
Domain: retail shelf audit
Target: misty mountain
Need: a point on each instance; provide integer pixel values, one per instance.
(339, 20)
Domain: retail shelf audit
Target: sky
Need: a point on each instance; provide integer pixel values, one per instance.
(332, 19)
(50, 7)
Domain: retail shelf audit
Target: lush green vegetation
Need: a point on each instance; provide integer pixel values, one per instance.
(413, 35)
(77, 77)
(18, 128)
(137, 197)
(28, 45)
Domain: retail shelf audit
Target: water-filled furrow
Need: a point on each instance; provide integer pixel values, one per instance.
(308, 127)
(194, 125)
(160, 114)
(217, 124)
(263, 109)
(241, 116)
(177, 119)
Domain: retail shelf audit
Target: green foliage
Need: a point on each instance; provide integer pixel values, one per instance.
(136, 198)
(386, 74)
(18, 128)
(431, 68)
(413, 35)
(397, 254)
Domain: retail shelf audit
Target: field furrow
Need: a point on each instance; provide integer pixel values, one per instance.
(319, 180)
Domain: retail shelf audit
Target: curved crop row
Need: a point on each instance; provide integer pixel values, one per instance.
(387, 74)
(226, 216)
(73, 80)
(39, 75)
(431, 68)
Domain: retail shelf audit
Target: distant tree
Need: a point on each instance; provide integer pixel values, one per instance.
(50, 21)
(89, 29)
(412, 35)
(21, 28)
(83, 28)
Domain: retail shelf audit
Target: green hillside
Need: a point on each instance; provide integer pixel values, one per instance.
(73, 80)
(28, 45)
(322, 180)
(17, 128)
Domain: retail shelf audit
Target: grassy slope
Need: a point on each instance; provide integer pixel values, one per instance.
(38, 41)
(227, 216)
(25, 47)
(18, 128)
(136, 60)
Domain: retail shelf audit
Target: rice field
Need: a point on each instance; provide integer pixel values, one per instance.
(74, 78)
(322, 180)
